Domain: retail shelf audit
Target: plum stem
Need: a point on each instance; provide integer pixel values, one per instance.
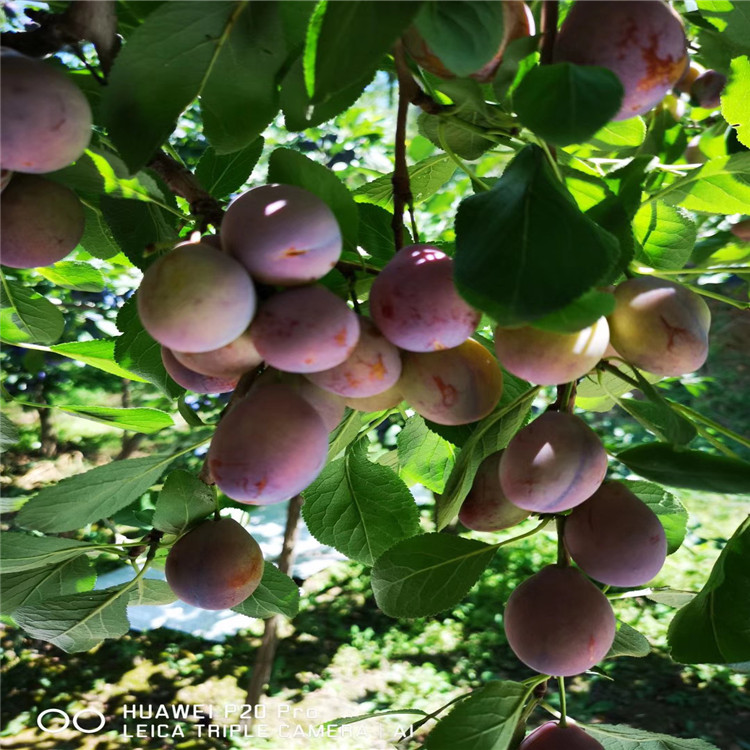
(563, 560)
(563, 706)
(549, 30)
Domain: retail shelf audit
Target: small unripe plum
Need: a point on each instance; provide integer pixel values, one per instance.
(216, 565)
(40, 223)
(269, 447)
(550, 358)
(229, 361)
(373, 367)
(385, 400)
(558, 622)
(328, 405)
(196, 299)
(741, 230)
(45, 120)
(693, 153)
(486, 508)
(306, 329)
(552, 464)
(454, 386)
(660, 326)
(414, 301)
(616, 538)
(282, 234)
(5, 176)
(642, 41)
(692, 72)
(192, 380)
(706, 89)
(552, 736)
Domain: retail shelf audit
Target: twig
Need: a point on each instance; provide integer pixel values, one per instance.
(549, 30)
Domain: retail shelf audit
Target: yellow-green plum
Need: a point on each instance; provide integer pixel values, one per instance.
(553, 736)
(196, 299)
(268, 447)
(305, 329)
(616, 538)
(660, 326)
(40, 222)
(642, 41)
(216, 565)
(373, 366)
(45, 120)
(552, 464)
(231, 360)
(550, 358)
(282, 234)
(453, 386)
(414, 301)
(192, 380)
(558, 622)
(486, 508)
(382, 401)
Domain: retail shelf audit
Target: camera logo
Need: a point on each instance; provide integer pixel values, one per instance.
(45, 721)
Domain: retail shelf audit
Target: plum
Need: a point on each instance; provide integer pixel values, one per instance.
(550, 358)
(616, 538)
(216, 565)
(486, 508)
(642, 41)
(414, 301)
(552, 464)
(660, 326)
(741, 230)
(382, 401)
(45, 120)
(454, 386)
(231, 360)
(268, 447)
(282, 234)
(558, 622)
(553, 736)
(373, 367)
(305, 329)
(41, 222)
(192, 380)
(196, 299)
(706, 89)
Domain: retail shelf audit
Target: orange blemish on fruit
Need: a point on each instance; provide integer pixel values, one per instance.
(293, 252)
(378, 370)
(659, 70)
(261, 485)
(448, 392)
(340, 337)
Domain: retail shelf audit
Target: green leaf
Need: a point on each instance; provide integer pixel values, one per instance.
(376, 233)
(512, 259)
(9, 434)
(598, 390)
(150, 592)
(88, 497)
(97, 239)
(566, 103)
(277, 594)
(27, 317)
(239, 96)
(720, 186)
(222, 175)
(183, 500)
(21, 551)
(618, 737)
(292, 168)
(426, 574)
(162, 67)
(99, 353)
(486, 720)
(448, 132)
(694, 470)
(424, 457)
(31, 587)
(426, 178)
(463, 35)
(359, 508)
(579, 314)
(628, 642)
(344, 434)
(138, 419)
(491, 434)
(331, 65)
(735, 103)
(76, 622)
(669, 510)
(69, 274)
(713, 627)
(666, 236)
(732, 19)
(619, 135)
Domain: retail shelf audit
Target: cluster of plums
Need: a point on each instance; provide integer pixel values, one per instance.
(45, 126)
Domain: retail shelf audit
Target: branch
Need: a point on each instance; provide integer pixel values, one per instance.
(549, 30)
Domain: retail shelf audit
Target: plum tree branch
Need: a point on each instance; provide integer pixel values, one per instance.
(549, 30)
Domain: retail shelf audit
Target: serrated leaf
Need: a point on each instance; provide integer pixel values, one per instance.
(99, 353)
(426, 574)
(27, 317)
(735, 103)
(666, 236)
(671, 597)
(628, 642)
(21, 551)
(713, 627)
(486, 720)
(344, 434)
(619, 737)
(69, 274)
(658, 417)
(277, 594)
(359, 508)
(597, 391)
(670, 511)
(9, 434)
(183, 500)
(93, 495)
(424, 456)
(136, 419)
(150, 592)
(76, 622)
(223, 174)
